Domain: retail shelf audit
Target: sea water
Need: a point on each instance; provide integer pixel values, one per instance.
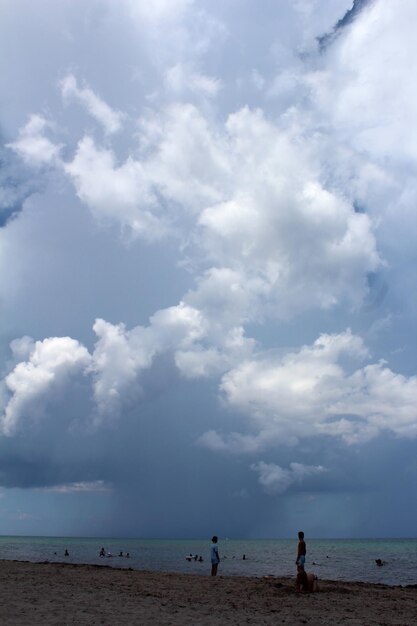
(331, 559)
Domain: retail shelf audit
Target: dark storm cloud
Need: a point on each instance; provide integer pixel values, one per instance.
(350, 15)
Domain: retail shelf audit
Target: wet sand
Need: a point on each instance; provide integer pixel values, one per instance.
(62, 593)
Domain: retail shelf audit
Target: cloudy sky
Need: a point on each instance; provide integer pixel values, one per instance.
(208, 273)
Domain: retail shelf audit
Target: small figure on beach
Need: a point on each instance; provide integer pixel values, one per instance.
(379, 562)
(102, 552)
(214, 555)
(301, 580)
(312, 582)
(66, 553)
(120, 553)
(200, 559)
(244, 557)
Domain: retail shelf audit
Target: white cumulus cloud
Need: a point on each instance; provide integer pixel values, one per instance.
(95, 486)
(50, 365)
(181, 80)
(120, 355)
(276, 479)
(34, 147)
(317, 391)
(121, 193)
(100, 110)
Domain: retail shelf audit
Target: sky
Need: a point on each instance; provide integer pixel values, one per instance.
(208, 250)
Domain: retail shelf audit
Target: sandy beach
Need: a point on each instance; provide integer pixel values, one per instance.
(61, 593)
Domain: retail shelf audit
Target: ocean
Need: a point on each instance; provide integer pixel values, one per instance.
(331, 559)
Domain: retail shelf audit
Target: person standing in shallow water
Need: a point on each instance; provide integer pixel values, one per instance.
(214, 554)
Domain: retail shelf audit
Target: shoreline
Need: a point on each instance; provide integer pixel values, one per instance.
(207, 573)
(74, 593)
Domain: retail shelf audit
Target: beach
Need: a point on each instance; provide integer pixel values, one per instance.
(63, 593)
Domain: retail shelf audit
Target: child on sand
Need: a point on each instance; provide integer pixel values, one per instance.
(312, 582)
(214, 554)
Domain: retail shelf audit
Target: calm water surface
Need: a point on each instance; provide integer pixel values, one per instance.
(335, 559)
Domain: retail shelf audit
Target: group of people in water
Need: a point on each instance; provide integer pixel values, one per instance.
(194, 557)
(103, 553)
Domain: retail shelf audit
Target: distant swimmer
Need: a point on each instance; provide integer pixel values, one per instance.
(102, 552)
(66, 553)
(127, 555)
(379, 562)
(120, 553)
